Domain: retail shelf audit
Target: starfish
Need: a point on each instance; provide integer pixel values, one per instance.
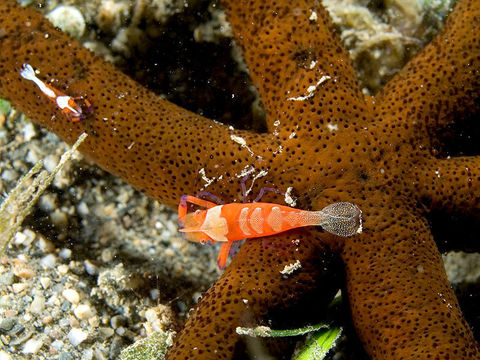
(324, 139)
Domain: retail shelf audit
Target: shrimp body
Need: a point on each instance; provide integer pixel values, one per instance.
(70, 106)
(237, 221)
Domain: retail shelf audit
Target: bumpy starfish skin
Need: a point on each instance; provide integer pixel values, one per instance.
(325, 139)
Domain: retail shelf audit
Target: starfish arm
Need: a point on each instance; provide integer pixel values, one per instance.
(442, 82)
(297, 63)
(402, 303)
(154, 145)
(452, 184)
(252, 291)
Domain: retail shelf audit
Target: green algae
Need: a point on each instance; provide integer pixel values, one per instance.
(5, 107)
(153, 347)
(321, 338)
(318, 344)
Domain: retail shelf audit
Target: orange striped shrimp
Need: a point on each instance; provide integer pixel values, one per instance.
(237, 221)
(72, 107)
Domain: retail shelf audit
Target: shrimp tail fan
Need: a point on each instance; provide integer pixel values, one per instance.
(342, 219)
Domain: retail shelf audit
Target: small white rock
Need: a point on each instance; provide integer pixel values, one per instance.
(90, 268)
(9, 175)
(37, 305)
(83, 209)
(57, 345)
(59, 218)
(5, 356)
(19, 287)
(28, 131)
(19, 238)
(83, 312)
(45, 245)
(50, 162)
(45, 282)
(32, 157)
(71, 295)
(87, 354)
(154, 294)
(65, 253)
(69, 19)
(77, 336)
(63, 269)
(32, 346)
(48, 261)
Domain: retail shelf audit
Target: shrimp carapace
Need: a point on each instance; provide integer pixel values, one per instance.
(238, 221)
(74, 108)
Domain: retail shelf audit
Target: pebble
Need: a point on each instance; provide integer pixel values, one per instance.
(48, 202)
(65, 306)
(17, 329)
(62, 269)
(32, 346)
(87, 354)
(83, 312)
(19, 287)
(99, 355)
(24, 238)
(90, 268)
(25, 273)
(50, 162)
(9, 175)
(83, 209)
(32, 157)
(117, 321)
(45, 245)
(45, 282)
(20, 238)
(37, 305)
(115, 347)
(49, 261)
(107, 255)
(57, 345)
(53, 301)
(74, 323)
(5, 356)
(69, 19)
(65, 253)
(77, 336)
(7, 278)
(5, 301)
(59, 218)
(29, 131)
(106, 332)
(65, 356)
(154, 294)
(94, 321)
(64, 322)
(71, 295)
(7, 324)
(47, 320)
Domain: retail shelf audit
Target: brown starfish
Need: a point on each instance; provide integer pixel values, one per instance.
(325, 139)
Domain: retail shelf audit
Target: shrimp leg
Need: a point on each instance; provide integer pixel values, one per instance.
(223, 254)
(262, 192)
(212, 197)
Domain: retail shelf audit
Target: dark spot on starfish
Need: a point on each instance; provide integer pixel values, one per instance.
(304, 57)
